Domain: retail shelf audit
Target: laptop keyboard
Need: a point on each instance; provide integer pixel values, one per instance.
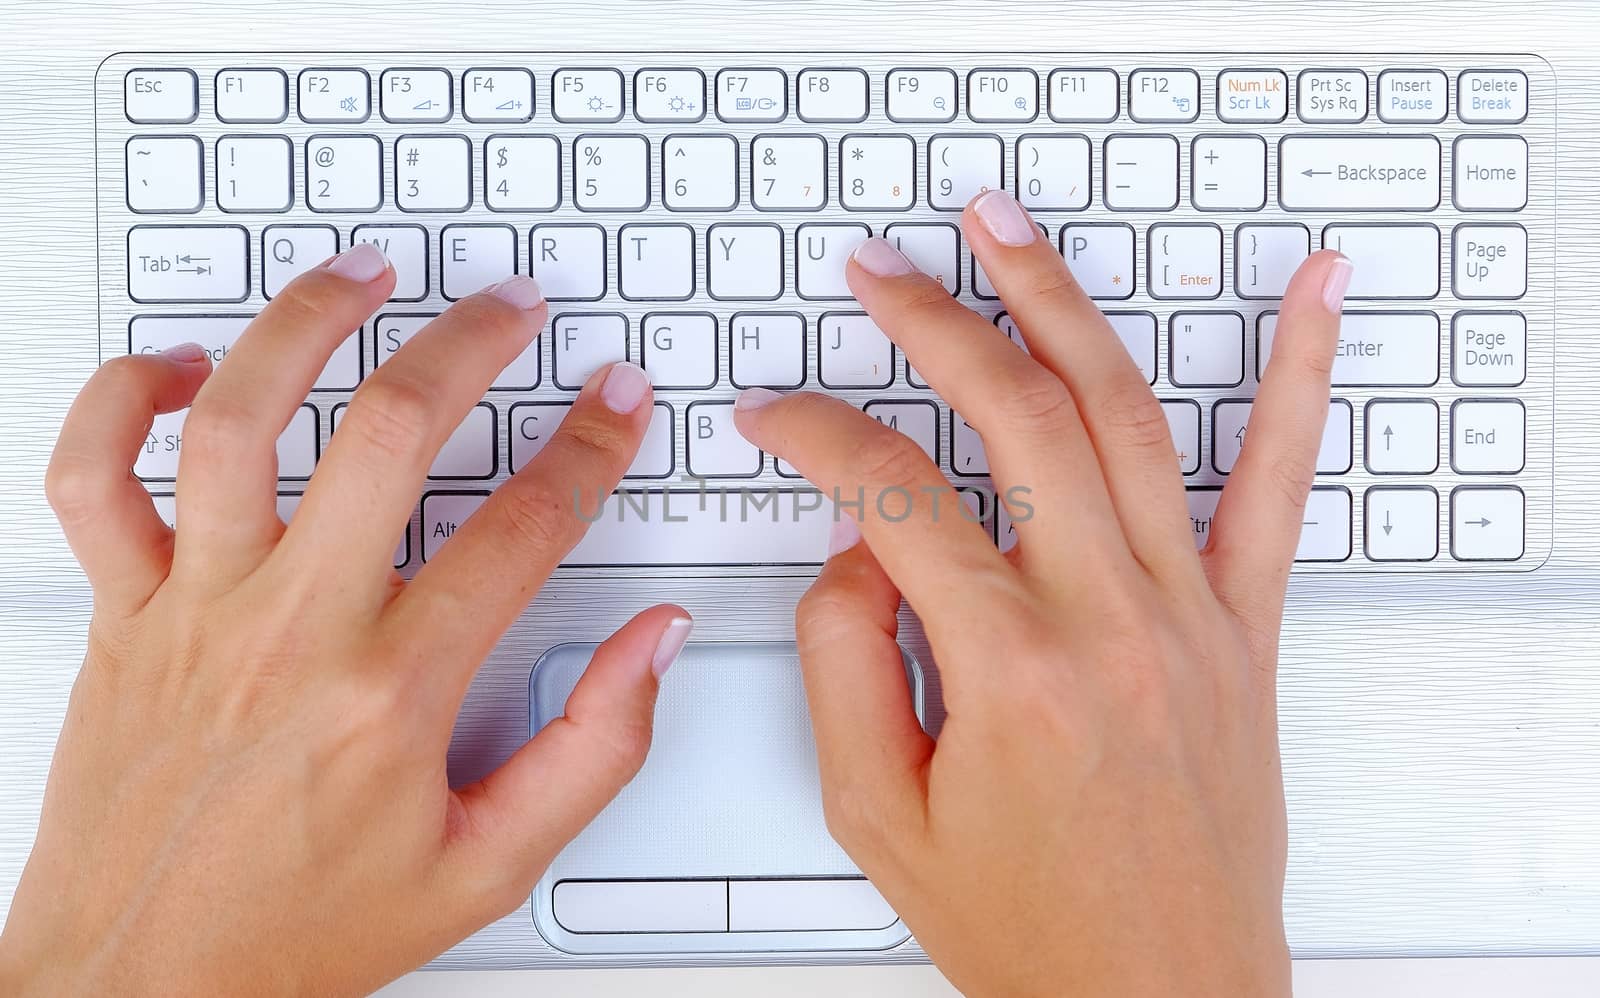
(693, 213)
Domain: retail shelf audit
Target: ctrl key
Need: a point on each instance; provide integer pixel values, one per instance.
(1487, 523)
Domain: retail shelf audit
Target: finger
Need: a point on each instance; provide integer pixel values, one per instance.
(914, 521)
(1031, 429)
(1258, 520)
(228, 471)
(360, 499)
(872, 753)
(464, 598)
(109, 521)
(514, 821)
(1067, 334)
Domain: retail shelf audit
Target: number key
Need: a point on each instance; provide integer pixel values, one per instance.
(611, 172)
(788, 172)
(877, 172)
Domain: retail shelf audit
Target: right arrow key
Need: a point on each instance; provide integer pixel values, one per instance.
(1486, 523)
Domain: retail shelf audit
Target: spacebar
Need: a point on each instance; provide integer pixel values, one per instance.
(671, 527)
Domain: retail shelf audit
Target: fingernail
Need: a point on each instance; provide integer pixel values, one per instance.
(671, 645)
(878, 258)
(843, 536)
(521, 291)
(1336, 284)
(362, 262)
(186, 353)
(1005, 219)
(755, 398)
(625, 387)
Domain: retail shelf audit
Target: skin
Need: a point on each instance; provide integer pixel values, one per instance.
(249, 795)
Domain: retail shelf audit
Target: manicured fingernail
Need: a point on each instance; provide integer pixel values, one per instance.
(755, 398)
(362, 262)
(843, 536)
(1336, 284)
(625, 387)
(878, 258)
(671, 645)
(1005, 219)
(521, 291)
(186, 353)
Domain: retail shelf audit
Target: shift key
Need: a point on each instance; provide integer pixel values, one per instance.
(178, 263)
(1376, 349)
(1358, 172)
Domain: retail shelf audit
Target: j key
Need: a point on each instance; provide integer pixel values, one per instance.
(1376, 349)
(1185, 261)
(160, 96)
(1229, 173)
(834, 95)
(745, 261)
(700, 172)
(679, 349)
(472, 257)
(960, 167)
(716, 448)
(1100, 256)
(767, 350)
(1002, 95)
(821, 252)
(1084, 95)
(1486, 436)
(1402, 523)
(287, 251)
(420, 95)
(406, 247)
(1053, 172)
(1265, 257)
(344, 173)
(1164, 95)
(1230, 422)
(255, 173)
(217, 334)
(584, 343)
(1358, 173)
(1487, 523)
(1490, 261)
(497, 95)
(1325, 526)
(1391, 261)
(587, 95)
(296, 447)
(656, 262)
(433, 173)
(1141, 173)
(1402, 436)
(853, 352)
(522, 173)
(669, 95)
(252, 96)
(331, 96)
(569, 261)
(533, 423)
(164, 174)
(788, 172)
(917, 420)
(200, 263)
(393, 330)
(611, 172)
(877, 172)
(752, 95)
(934, 248)
(921, 95)
(468, 453)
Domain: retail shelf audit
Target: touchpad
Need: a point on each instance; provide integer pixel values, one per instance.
(718, 845)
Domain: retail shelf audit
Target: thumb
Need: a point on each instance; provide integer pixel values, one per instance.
(514, 821)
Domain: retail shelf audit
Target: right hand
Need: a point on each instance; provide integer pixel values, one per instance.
(1103, 811)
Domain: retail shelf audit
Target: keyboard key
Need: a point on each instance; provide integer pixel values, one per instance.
(934, 247)
(1164, 95)
(1185, 261)
(1002, 95)
(1490, 349)
(1487, 436)
(1252, 95)
(921, 95)
(760, 95)
(960, 167)
(471, 450)
(745, 261)
(393, 330)
(1053, 172)
(1413, 96)
(832, 95)
(1230, 421)
(806, 906)
(433, 173)
(1492, 96)
(1089, 95)
(252, 96)
(160, 96)
(406, 247)
(532, 425)
(1402, 523)
(917, 420)
(1376, 349)
(700, 172)
(679, 349)
(1358, 172)
(255, 173)
(584, 343)
(1265, 257)
(198, 263)
(788, 172)
(472, 257)
(1333, 96)
(1491, 173)
(716, 449)
(1183, 417)
(1229, 173)
(1490, 261)
(967, 456)
(497, 95)
(1391, 261)
(767, 350)
(522, 172)
(217, 334)
(344, 173)
(287, 251)
(569, 261)
(1100, 256)
(1202, 510)
(655, 262)
(611, 172)
(1137, 331)
(1486, 523)
(1325, 527)
(821, 252)
(669, 95)
(164, 173)
(1402, 436)
(853, 352)
(1206, 349)
(877, 172)
(415, 95)
(158, 459)
(587, 95)
(1141, 173)
(330, 96)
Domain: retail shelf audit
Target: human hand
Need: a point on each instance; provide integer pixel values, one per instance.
(1103, 811)
(250, 791)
